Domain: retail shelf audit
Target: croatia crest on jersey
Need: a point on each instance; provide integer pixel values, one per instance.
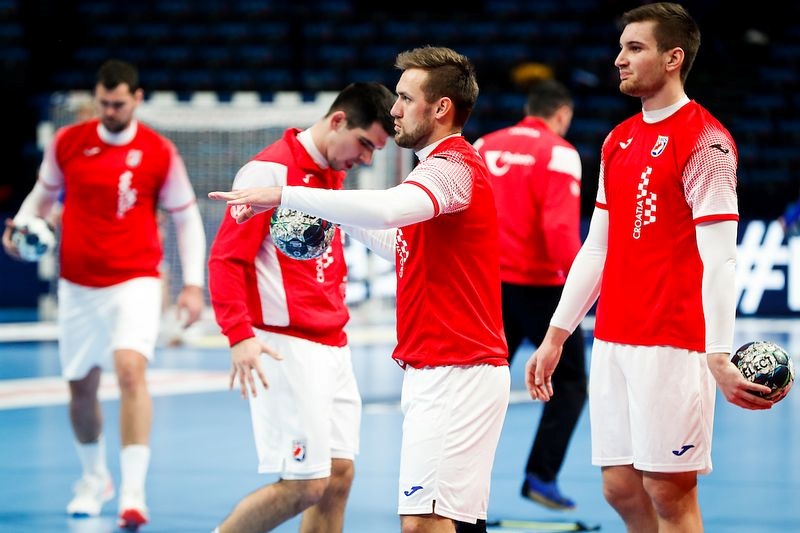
(299, 450)
(661, 144)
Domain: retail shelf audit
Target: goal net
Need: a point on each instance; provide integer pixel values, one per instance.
(217, 137)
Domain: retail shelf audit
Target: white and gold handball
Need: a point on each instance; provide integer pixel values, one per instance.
(299, 235)
(33, 238)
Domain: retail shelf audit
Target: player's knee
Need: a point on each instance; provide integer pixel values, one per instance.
(311, 491)
(342, 475)
(343, 469)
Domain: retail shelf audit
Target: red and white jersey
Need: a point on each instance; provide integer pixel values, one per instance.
(536, 177)
(657, 181)
(252, 284)
(112, 190)
(448, 275)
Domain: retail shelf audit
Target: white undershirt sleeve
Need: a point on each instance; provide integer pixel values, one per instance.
(399, 206)
(583, 281)
(46, 190)
(191, 244)
(38, 203)
(380, 241)
(716, 242)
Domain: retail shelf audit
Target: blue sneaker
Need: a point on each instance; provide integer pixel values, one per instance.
(545, 493)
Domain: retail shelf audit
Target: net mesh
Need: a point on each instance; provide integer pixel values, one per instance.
(215, 138)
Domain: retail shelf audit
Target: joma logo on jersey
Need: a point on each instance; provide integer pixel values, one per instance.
(645, 204)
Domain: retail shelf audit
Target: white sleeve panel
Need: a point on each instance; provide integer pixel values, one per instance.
(260, 174)
(177, 191)
(709, 177)
(447, 178)
(601, 186)
(565, 160)
(583, 281)
(191, 244)
(399, 206)
(380, 241)
(716, 242)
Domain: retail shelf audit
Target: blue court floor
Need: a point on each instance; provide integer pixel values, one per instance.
(203, 456)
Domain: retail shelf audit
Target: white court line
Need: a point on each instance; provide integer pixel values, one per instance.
(202, 335)
(35, 392)
(206, 335)
(28, 331)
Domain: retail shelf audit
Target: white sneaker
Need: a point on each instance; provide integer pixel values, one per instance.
(91, 492)
(132, 509)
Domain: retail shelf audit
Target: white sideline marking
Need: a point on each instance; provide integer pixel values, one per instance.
(200, 336)
(35, 392)
(28, 331)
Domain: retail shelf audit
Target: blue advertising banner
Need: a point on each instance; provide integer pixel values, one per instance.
(767, 270)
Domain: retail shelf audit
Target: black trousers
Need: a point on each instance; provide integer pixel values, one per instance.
(527, 311)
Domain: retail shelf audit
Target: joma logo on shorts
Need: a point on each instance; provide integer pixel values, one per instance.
(414, 489)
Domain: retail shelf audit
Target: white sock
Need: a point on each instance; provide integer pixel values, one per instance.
(134, 461)
(93, 457)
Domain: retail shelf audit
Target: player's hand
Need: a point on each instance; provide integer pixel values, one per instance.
(189, 305)
(541, 365)
(734, 386)
(539, 372)
(249, 202)
(8, 246)
(246, 361)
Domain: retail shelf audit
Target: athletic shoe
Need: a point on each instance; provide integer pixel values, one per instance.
(132, 510)
(545, 493)
(91, 492)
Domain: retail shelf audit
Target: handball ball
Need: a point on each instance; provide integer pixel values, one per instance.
(33, 238)
(766, 363)
(299, 235)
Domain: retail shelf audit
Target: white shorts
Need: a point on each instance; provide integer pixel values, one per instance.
(652, 407)
(453, 416)
(93, 322)
(311, 412)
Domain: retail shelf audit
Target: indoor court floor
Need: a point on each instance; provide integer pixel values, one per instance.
(203, 456)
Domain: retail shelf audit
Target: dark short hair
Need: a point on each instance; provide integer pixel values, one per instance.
(545, 97)
(115, 72)
(674, 28)
(365, 103)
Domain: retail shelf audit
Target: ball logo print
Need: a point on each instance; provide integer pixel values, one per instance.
(768, 364)
(299, 235)
(33, 238)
